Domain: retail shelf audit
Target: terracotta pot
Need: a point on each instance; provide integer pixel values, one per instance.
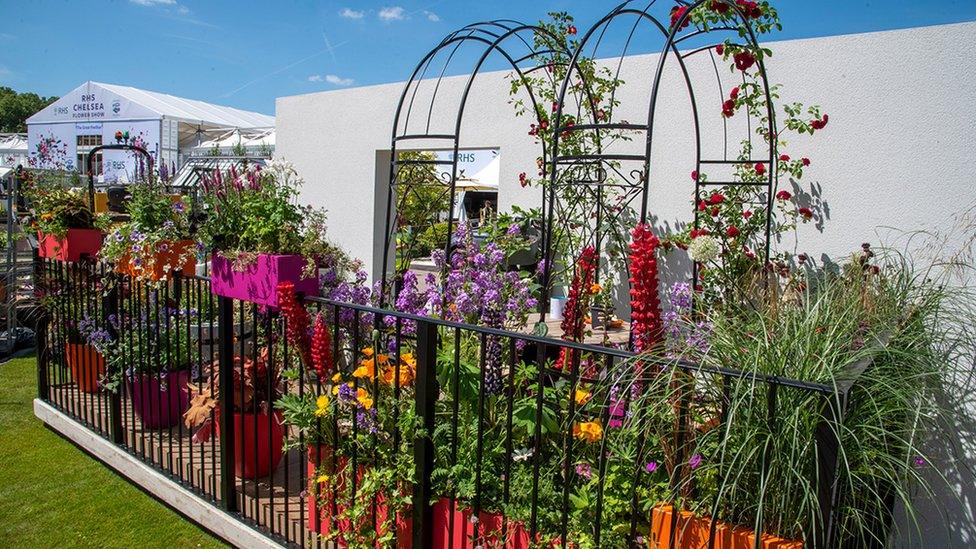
(258, 283)
(692, 533)
(320, 518)
(77, 243)
(86, 365)
(256, 456)
(178, 257)
(158, 408)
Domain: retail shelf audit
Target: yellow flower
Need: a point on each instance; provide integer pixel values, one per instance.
(336, 377)
(367, 369)
(595, 288)
(322, 479)
(363, 397)
(335, 390)
(322, 405)
(590, 431)
(409, 360)
(582, 397)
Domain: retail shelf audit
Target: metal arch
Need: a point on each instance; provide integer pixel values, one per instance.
(111, 147)
(476, 33)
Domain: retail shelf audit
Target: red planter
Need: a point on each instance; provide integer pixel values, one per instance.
(158, 408)
(76, 243)
(86, 365)
(258, 440)
(692, 533)
(178, 257)
(494, 530)
(320, 519)
(258, 282)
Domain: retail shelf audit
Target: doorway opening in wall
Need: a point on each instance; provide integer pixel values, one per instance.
(85, 143)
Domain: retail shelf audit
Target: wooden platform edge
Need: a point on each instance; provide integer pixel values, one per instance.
(188, 504)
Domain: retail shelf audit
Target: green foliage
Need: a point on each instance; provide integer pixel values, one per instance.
(422, 200)
(16, 108)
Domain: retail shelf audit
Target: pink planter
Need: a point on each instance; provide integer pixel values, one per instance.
(258, 283)
(159, 409)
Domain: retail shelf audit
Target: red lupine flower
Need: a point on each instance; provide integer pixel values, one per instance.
(805, 161)
(747, 214)
(807, 213)
(645, 305)
(694, 175)
(322, 348)
(716, 198)
(296, 322)
(784, 195)
(819, 124)
(734, 94)
(744, 60)
(720, 49)
(522, 179)
(760, 168)
(732, 231)
(677, 13)
(784, 157)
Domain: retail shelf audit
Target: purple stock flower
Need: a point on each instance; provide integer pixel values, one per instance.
(695, 461)
(584, 470)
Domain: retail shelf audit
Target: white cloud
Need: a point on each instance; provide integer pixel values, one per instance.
(394, 13)
(315, 78)
(338, 81)
(154, 2)
(431, 16)
(351, 14)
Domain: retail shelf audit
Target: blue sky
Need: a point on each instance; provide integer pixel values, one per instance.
(244, 54)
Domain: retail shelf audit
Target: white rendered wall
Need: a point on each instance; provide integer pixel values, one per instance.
(899, 152)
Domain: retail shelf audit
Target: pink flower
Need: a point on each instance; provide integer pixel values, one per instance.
(651, 466)
(695, 461)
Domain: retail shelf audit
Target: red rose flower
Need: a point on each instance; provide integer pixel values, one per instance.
(728, 108)
(702, 206)
(716, 198)
(805, 161)
(784, 195)
(719, 7)
(734, 94)
(571, 30)
(760, 168)
(720, 49)
(522, 180)
(545, 124)
(732, 231)
(819, 124)
(784, 158)
(744, 60)
(750, 9)
(677, 13)
(747, 214)
(715, 211)
(807, 213)
(695, 233)
(694, 175)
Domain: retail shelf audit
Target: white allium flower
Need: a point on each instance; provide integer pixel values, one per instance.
(703, 249)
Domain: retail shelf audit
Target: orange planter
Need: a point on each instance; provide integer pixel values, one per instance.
(164, 262)
(692, 533)
(86, 365)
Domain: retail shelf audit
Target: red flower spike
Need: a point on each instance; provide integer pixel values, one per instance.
(322, 359)
(645, 303)
(296, 322)
(579, 296)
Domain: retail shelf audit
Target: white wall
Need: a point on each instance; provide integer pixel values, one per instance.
(898, 152)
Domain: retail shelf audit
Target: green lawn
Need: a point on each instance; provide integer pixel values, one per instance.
(54, 495)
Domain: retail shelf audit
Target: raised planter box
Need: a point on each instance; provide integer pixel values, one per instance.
(692, 533)
(258, 282)
(77, 243)
(178, 257)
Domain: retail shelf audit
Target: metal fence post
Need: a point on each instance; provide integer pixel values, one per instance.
(40, 333)
(426, 396)
(827, 439)
(225, 342)
(110, 306)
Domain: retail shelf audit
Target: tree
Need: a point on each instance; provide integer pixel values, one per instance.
(16, 107)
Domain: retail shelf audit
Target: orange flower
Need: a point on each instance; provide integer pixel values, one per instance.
(367, 369)
(590, 431)
(363, 397)
(582, 397)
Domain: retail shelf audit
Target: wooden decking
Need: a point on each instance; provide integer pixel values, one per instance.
(275, 504)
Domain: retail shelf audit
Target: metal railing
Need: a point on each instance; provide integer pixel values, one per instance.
(495, 444)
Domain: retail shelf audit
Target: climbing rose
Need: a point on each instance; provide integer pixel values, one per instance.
(694, 175)
(732, 231)
(715, 211)
(720, 49)
(784, 195)
(805, 161)
(807, 213)
(734, 94)
(747, 214)
(716, 198)
(522, 179)
(571, 29)
(750, 9)
(719, 6)
(728, 108)
(677, 13)
(744, 60)
(760, 168)
(819, 124)
(784, 157)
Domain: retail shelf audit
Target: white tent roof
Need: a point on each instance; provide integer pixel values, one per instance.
(16, 142)
(143, 103)
(253, 138)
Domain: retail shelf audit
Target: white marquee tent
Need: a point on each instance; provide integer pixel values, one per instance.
(61, 134)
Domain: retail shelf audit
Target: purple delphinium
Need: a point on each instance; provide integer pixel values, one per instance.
(681, 334)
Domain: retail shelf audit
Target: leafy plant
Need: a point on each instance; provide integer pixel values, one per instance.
(53, 208)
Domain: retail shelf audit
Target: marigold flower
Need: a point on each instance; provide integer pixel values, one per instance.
(362, 396)
(582, 397)
(367, 368)
(322, 479)
(590, 431)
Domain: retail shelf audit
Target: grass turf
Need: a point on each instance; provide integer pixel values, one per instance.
(54, 495)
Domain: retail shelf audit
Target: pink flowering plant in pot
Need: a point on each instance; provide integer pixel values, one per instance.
(259, 235)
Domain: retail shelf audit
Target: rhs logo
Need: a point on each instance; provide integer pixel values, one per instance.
(116, 106)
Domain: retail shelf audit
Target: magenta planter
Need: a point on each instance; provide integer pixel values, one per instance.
(158, 408)
(258, 283)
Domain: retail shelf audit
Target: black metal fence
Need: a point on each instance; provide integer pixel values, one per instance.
(435, 434)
